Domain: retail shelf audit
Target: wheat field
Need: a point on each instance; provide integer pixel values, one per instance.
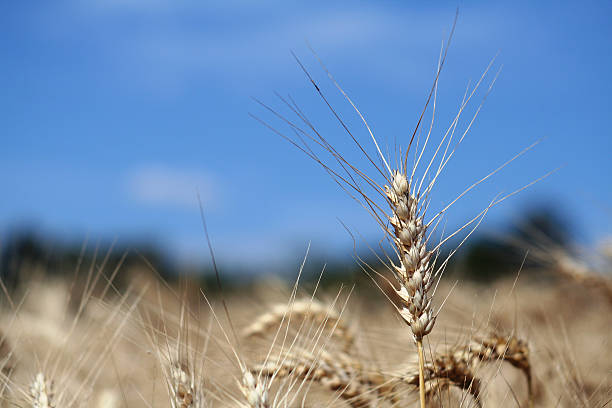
(413, 337)
(154, 345)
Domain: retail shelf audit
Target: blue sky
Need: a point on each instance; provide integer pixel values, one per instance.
(114, 113)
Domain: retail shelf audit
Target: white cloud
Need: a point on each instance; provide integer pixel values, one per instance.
(165, 186)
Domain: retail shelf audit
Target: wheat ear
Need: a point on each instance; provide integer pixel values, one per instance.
(415, 271)
(303, 310)
(511, 349)
(183, 387)
(445, 370)
(571, 268)
(458, 366)
(255, 390)
(338, 372)
(41, 392)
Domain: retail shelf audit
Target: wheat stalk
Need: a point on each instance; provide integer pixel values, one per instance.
(406, 192)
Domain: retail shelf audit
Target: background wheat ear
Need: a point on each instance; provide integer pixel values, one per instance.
(303, 312)
(255, 390)
(509, 348)
(571, 268)
(591, 269)
(42, 393)
(312, 357)
(335, 371)
(180, 345)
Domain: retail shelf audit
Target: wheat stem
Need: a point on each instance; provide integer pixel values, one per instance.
(421, 372)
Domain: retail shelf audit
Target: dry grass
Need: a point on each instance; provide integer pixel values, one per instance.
(298, 361)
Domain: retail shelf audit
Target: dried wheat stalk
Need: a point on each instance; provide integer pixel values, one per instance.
(406, 193)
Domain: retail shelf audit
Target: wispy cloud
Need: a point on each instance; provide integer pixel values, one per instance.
(225, 37)
(171, 187)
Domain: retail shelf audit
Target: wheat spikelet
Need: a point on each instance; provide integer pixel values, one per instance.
(182, 388)
(303, 310)
(41, 392)
(177, 344)
(183, 377)
(255, 390)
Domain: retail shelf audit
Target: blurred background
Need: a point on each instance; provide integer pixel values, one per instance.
(116, 114)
